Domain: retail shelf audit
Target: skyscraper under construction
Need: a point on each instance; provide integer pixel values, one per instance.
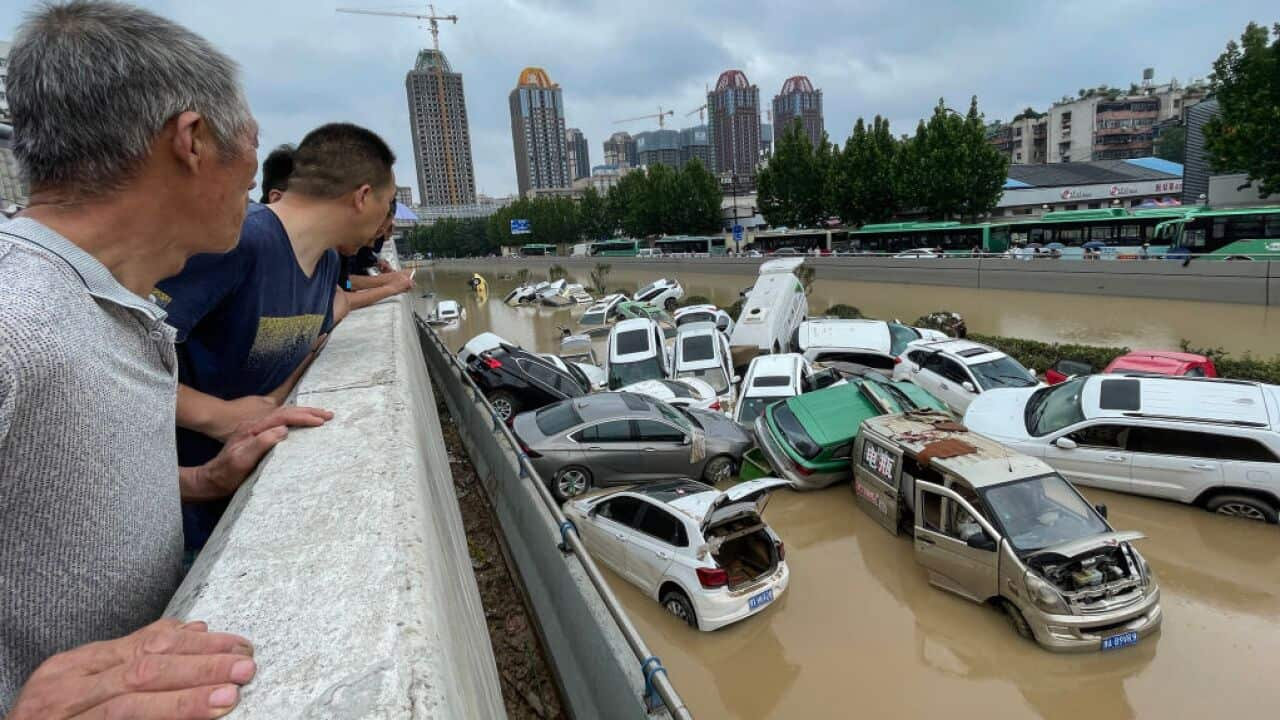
(441, 136)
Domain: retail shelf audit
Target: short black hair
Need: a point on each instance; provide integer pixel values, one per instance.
(276, 170)
(335, 159)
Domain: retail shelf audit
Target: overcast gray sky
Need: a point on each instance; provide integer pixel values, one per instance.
(304, 64)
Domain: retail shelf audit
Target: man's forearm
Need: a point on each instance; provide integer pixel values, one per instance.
(365, 298)
(216, 417)
(192, 485)
(367, 282)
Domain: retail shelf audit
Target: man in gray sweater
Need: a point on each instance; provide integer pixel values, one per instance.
(140, 148)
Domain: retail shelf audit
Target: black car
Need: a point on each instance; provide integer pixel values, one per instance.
(515, 380)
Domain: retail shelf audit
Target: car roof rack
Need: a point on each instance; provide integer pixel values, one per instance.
(1205, 421)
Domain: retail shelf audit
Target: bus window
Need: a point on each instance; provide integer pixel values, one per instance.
(1041, 235)
(1071, 235)
(1193, 237)
(1131, 233)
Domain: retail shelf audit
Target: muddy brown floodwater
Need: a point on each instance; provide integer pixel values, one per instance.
(860, 632)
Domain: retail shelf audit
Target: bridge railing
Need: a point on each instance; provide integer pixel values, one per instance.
(604, 666)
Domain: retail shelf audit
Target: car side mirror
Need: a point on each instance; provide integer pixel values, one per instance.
(981, 541)
(736, 379)
(1065, 443)
(1102, 509)
(686, 440)
(968, 386)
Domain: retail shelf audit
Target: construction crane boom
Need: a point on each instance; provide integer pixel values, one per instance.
(429, 16)
(661, 115)
(700, 109)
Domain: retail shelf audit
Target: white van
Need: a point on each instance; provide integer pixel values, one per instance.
(774, 309)
(647, 253)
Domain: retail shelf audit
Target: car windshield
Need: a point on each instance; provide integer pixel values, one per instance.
(632, 341)
(714, 376)
(1042, 511)
(1054, 408)
(593, 318)
(697, 347)
(678, 415)
(794, 432)
(623, 374)
(899, 336)
(753, 407)
(771, 381)
(555, 419)
(1004, 372)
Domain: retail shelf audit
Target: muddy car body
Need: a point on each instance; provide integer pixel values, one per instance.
(999, 527)
(707, 556)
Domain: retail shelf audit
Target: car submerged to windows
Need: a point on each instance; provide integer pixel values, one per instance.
(617, 438)
(704, 313)
(706, 556)
(808, 439)
(1002, 528)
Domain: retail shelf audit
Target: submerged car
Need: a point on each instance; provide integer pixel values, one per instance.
(808, 439)
(601, 315)
(956, 371)
(702, 352)
(707, 556)
(772, 378)
(663, 293)
(623, 439)
(1000, 527)
(1163, 362)
(514, 380)
(874, 343)
(636, 351)
(1210, 443)
(446, 311)
(681, 392)
(704, 313)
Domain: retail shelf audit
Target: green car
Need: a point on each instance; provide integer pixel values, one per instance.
(808, 439)
(628, 309)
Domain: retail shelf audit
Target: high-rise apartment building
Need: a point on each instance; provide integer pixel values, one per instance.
(404, 195)
(620, 150)
(579, 156)
(695, 144)
(799, 101)
(441, 135)
(658, 147)
(538, 133)
(733, 118)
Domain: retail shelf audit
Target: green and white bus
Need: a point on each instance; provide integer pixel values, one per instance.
(1248, 233)
(1112, 233)
(690, 245)
(615, 248)
(536, 249)
(953, 238)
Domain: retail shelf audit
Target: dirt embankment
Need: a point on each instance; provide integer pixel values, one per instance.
(529, 687)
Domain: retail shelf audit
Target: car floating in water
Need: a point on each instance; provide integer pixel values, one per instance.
(706, 556)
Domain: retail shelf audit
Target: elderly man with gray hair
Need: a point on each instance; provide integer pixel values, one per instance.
(140, 150)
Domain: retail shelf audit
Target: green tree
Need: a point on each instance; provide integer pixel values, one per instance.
(627, 201)
(1172, 144)
(594, 219)
(698, 201)
(958, 172)
(791, 187)
(1246, 84)
(863, 183)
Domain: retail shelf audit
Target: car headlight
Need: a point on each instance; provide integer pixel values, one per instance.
(1044, 595)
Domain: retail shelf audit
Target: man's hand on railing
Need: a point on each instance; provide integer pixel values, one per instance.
(165, 671)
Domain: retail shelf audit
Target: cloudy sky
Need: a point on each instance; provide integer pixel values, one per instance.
(304, 64)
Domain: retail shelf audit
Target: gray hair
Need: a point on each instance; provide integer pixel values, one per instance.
(92, 83)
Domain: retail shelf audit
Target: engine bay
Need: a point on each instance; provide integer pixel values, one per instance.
(1100, 579)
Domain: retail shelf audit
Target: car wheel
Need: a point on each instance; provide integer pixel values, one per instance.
(1243, 506)
(718, 469)
(1018, 622)
(570, 482)
(505, 405)
(670, 304)
(678, 605)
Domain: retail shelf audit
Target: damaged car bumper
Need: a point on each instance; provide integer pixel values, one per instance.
(1088, 633)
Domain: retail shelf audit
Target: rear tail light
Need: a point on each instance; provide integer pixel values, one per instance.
(713, 577)
(525, 448)
(802, 470)
(714, 406)
(492, 363)
(897, 361)
(782, 551)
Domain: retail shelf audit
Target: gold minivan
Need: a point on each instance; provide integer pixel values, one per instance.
(999, 527)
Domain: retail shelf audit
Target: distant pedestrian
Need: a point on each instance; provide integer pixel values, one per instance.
(139, 148)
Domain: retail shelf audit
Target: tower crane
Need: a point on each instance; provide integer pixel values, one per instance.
(700, 110)
(433, 21)
(661, 115)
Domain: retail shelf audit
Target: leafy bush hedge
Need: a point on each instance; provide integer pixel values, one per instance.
(695, 300)
(1241, 368)
(844, 312)
(1039, 356)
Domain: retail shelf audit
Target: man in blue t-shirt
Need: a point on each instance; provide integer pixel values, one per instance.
(249, 320)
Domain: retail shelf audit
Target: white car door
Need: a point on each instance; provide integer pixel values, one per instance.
(611, 525)
(938, 375)
(1173, 464)
(1099, 458)
(652, 547)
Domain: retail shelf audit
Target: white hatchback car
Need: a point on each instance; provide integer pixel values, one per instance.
(874, 343)
(663, 293)
(771, 378)
(1211, 443)
(681, 392)
(705, 555)
(704, 313)
(957, 371)
(636, 351)
(702, 352)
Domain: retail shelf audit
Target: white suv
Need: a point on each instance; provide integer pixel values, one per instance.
(956, 371)
(705, 555)
(1212, 443)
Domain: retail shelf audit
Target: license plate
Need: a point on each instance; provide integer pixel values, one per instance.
(766, 597)
(1116, 642)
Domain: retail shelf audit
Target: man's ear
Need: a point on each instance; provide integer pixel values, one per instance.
(363, 195)
(190, 143)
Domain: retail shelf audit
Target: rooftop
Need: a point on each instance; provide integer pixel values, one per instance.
(1092, 173)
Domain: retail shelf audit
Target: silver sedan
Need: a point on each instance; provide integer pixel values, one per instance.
(625, 439)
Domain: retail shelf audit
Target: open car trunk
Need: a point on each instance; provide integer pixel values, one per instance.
(744, 549)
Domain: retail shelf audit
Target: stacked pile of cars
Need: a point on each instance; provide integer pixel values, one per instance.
(950, 441)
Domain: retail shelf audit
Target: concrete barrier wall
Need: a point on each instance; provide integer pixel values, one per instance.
(344, 559)
(1256, 283)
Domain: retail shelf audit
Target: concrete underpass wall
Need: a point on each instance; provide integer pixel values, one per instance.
(1255, 283)
(344, 560)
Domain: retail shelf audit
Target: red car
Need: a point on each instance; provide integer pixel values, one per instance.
(1152, 362)
(1163, 362)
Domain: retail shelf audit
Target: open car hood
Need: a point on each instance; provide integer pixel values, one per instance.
(744, 498)
(1072, 548)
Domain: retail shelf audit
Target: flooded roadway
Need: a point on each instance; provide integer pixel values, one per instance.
(860, 631)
